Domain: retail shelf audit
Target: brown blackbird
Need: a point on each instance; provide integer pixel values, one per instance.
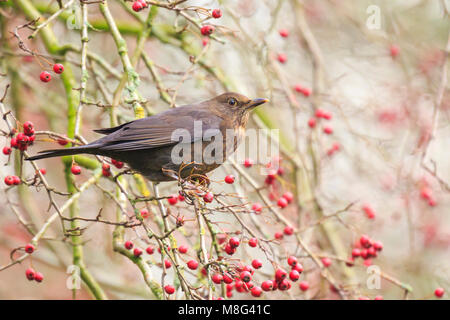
(147, 144)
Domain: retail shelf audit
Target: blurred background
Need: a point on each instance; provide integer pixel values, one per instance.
(377, 162)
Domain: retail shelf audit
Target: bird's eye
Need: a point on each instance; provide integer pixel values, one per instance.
(232, 101)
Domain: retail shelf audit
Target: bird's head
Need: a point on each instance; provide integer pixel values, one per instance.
(236, 104)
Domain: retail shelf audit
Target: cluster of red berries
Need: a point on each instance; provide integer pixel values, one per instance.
(45, 76)
(21, 140)
(244, 276)
(12, 180)
(365, 248)
(321, 114)
(31, 275)
(139, 5)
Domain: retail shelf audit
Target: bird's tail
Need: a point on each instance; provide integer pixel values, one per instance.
(60, 152)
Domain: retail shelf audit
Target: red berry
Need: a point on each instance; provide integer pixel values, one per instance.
(288, 230)
(234, 242)
(304, 285)
(43, 171)
(312, 122)
(439, 292)
(229, 250)
(173, 199)
(30, 274)
(394, 50)
(327, 115)
(29, 248)
(217, 278)
(365, 241)
(169, 289)
(129, 245)
(294, 275)
(137, 6)
(257, 207)
(326, 262)
(280, 274)
(28, 128)
(58, 68)
(284, 285)
(181, 198)
(205, 41)
(248, 163)
(267, 285)
(145, 214)
(367, 262)
(288, 196)
(282, 203)
(245, 276)
(328, 129)
(14, 143)
(207, 30)
(106, 173)
(306, 92)
(253, 242)
(256, 264)
(62, 142)
(229, 179)
(144, 3)
(45, 76)
(208, 197)
(167, 264)
(364, 254)
(228, 280)
(378, 245)
(192, 264)
(38, 277)
(150, 250)
(292, 261)
(378, 298)
(282, 58)
(137, 252)
(369, 211)
(284, 33)
(7, 150)
(76, 170)
(106, 167)
(16, 180)
(216, 13)
(182, 249)
(356, 252)
(278, 235)
(9, 180)
(256, 291)
(319, 113)
(298, 267)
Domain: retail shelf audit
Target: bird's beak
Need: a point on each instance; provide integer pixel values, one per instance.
(256, 102)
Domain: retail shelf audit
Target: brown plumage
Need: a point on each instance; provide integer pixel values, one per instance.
(146, 144)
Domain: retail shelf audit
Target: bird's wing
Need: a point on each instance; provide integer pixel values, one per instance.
(163, 129)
